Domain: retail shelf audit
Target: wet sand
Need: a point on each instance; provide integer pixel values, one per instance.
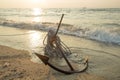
(16, 65)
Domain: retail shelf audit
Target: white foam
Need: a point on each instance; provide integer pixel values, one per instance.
(108, 35)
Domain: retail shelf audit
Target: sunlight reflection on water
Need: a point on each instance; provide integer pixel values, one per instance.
(28, 40)
(36, 39)
(37, 12)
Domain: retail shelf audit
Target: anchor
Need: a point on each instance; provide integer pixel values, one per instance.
(59, 50)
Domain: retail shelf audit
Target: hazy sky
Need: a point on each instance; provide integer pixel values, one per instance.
(59, 3)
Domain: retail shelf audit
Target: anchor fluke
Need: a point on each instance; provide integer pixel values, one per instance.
(43, 58)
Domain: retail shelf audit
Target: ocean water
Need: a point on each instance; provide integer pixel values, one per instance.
(93, 32)
(96, 24)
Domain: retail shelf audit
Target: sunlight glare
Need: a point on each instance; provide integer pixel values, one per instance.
(37, 12)
(38, 1)
(35, 39)
(37, 19)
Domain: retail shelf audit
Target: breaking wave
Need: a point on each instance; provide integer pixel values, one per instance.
(103, 34)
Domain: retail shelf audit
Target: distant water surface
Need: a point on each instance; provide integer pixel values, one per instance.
(101, 24)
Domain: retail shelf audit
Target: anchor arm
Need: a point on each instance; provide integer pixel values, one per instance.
(45, 61)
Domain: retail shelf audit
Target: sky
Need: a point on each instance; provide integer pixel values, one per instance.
(59, 3)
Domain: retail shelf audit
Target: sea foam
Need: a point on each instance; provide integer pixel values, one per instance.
(103, 34)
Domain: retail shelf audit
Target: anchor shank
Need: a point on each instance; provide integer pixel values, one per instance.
(59, 24)
(66, 59)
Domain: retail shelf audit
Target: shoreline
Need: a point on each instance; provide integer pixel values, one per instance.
(16, 65)
(20, 62)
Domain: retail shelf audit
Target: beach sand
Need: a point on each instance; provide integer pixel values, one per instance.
(16, 65)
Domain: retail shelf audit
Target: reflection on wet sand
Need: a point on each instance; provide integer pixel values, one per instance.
(36, 39)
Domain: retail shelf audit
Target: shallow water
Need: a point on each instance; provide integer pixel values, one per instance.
(21, 39)
(104, 59)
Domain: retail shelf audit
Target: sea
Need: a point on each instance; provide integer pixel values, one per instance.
(100, 24)
(92, 32)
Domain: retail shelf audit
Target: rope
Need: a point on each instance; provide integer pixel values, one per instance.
(57, 49)
(52, 39)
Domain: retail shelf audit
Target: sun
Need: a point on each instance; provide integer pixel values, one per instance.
(38, 1)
